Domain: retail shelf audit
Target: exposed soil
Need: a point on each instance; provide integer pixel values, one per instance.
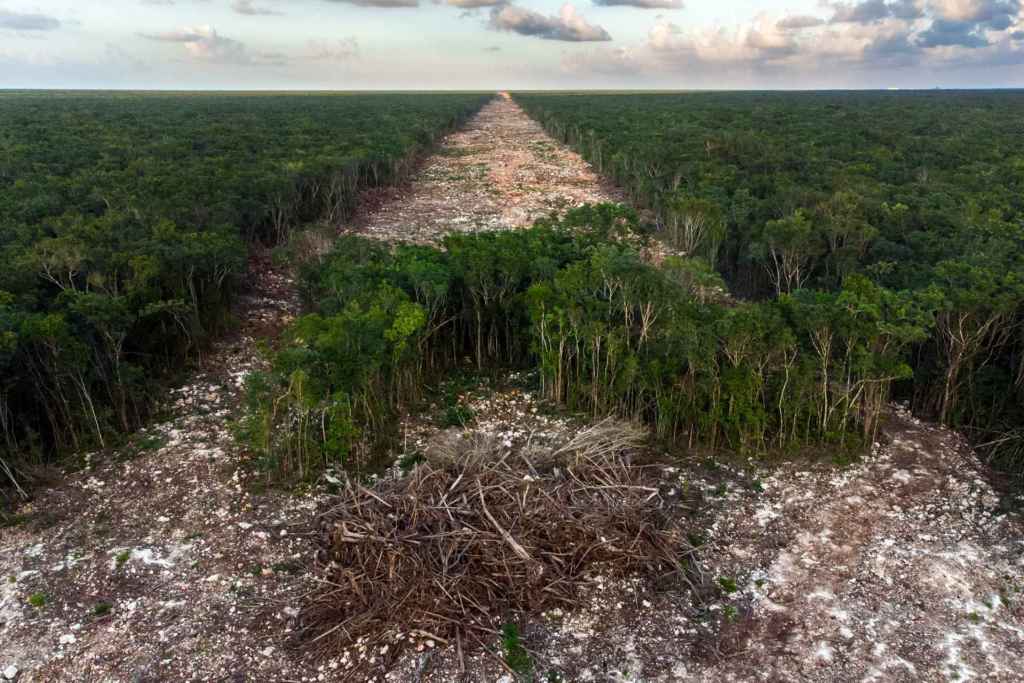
(165, 560)
(900, 567)
(501, 171)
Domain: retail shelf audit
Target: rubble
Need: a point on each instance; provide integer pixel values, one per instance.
(501, 171)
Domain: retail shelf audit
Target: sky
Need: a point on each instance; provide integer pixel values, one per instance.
(510, 44)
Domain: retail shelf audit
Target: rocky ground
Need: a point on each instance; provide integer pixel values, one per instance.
(167, 560)
(905, 565)
(502, 170)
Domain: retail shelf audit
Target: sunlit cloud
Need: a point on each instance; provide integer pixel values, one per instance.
(248, 8)
(204, 43)
(642, 4)
(569, 25)
(385, 4)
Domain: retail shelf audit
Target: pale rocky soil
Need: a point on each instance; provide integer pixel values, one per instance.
(501, 171)
(904, 566)
(900, 567)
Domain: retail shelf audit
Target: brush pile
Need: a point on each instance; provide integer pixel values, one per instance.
(477, 533)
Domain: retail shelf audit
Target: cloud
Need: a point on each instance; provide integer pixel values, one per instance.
(568, 26)
(944, 33)
(865, 12)
(247, 8)
(474, 4)
(799, 21)
(867, 41)
(896, 49)
(204, 44)
(27, 22)
(907, 9)
(341, 50)
(997, 14)
(642, 4)
(386, 4)
(872, 11)
(760, 41)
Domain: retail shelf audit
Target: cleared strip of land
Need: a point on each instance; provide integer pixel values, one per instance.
(502, 170)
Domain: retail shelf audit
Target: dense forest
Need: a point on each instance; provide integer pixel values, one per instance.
(125, 221)
(609, 332)
(914, 200)
(872, 246)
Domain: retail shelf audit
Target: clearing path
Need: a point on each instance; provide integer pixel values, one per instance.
(502, 170)
(163, 560)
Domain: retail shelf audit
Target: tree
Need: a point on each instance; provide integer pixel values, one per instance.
(694, 226)
(787, 248)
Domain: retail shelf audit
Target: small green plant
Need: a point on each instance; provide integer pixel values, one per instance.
(516, 656)
(728, 584)
(456, 416)
(102, 609)
(974, 618)
(37, 599)
(150, 442)
(12, 579)
(721, 490)
(10, 521)
(122, 558)
(409, 461)
(289, 567)
(730, 613)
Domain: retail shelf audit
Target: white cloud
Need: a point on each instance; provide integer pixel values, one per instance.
(569, 25)
(332, 51)
(642, 4)
(247, 8)
(27, 22)
(866, 38)
(204, 43)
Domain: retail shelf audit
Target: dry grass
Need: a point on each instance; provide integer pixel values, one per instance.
(478, 533)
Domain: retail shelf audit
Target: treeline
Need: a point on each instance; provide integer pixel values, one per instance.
(124, 228)
(609, 332)
(915, 192)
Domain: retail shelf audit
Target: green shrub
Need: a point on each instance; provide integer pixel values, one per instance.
(516, 656)
(608, 333)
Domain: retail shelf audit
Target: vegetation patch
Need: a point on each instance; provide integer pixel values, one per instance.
(788, 194)
(123, 247)
(606, 332)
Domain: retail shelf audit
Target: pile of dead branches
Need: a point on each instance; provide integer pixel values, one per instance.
(478, 532)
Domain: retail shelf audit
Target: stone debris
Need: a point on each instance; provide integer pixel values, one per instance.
(121, 550)
(501, 171)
